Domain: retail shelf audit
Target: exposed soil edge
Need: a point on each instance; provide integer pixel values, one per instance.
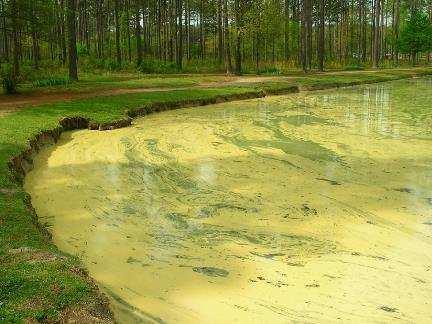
(99, 311)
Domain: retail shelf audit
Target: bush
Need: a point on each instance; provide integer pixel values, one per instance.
(51, 81)
(90, 64)
(159, 67)
(112, 65)
(82, 50)
(272, 70)
(354, 67)
(9, 81)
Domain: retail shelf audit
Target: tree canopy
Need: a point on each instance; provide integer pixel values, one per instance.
(416, 35)
(262, 36)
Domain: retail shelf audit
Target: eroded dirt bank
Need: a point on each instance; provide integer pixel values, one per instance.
(312, 207)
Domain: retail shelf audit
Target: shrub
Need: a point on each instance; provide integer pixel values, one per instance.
(354, 67)
(112, 65)
(272, 70)
(91, 64)
(51, 81)
(9, 81)
(156, 66)
(82, 49)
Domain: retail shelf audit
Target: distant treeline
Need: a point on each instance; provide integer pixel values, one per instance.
(226, 35)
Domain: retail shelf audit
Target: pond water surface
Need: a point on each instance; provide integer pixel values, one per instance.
(314, 207)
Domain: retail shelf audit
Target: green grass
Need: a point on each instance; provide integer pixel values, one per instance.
(340, 79)
(40, 282)
(90, 82)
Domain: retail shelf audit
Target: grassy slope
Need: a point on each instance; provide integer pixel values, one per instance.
(38, 281)
(107, 81)
(127, 80)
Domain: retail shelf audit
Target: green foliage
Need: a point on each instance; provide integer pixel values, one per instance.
(90, 64)
(157, 66)
(416, 35)
(112, 65)
(9, 81)
(82, 50)
(51, 81)
(355, 66)
(270, 70)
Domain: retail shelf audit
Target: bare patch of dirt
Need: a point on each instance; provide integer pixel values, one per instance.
(33, 256)
(6, 191)
(33, 304)
(80, 315)
(96, 311)
(12, 102)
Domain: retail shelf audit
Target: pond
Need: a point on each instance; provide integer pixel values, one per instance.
(312, 207)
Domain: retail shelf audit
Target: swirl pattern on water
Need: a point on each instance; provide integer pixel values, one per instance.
(310, 207)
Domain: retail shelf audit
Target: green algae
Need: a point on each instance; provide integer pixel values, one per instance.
(251, 210)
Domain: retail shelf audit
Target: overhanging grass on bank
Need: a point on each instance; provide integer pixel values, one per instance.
(36, 280)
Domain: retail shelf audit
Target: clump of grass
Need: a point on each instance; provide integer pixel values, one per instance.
(354, 67)
(51, 81)
(270, 70)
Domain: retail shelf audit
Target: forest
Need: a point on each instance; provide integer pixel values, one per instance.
(189, 36)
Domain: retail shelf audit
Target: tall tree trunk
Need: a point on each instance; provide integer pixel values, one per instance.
(117, 31)
(34, 36)
(238, 56)
(138, 33)
(36, 51)
(72, 47)
(376, 39)
(15, 41)
(364, 31)
(286, 30)
(202, 30)
(306, 37)
(5, 35)
(62, 33)
(220, 31)
(159, 30)
(257, 53)
(172, 29)
(396, 30)
(228, 62)
(239, 25)
(128, 20)
(188, 30)
(179, 34)
(86, 26)
(320, 43)
(99, 28)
